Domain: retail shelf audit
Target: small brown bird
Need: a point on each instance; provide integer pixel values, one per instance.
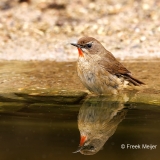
(99, 70)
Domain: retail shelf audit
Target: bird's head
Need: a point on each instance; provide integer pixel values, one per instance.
(89, 146)
(88, 45)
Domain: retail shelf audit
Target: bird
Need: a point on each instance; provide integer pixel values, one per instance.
(99, 71)
(98, 120)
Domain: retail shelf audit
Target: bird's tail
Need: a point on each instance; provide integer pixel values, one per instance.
(135, 81)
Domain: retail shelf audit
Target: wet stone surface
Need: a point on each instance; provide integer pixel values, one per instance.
(39, 81)
(57, 82)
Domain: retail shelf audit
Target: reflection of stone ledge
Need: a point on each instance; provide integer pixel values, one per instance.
(44, 102)
(72, 97)
(38, 101)
(41, 96)
(146, 99)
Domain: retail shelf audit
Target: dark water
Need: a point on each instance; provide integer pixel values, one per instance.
(51, 131)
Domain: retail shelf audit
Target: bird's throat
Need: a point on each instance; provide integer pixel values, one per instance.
(80, 52)
(83, 139)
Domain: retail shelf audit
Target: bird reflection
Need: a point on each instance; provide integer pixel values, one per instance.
(97, 121)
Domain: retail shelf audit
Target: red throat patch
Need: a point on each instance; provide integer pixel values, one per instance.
(80, 52)
(83, 139)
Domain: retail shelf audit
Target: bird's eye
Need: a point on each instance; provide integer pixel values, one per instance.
(89, 45)
(91, 147)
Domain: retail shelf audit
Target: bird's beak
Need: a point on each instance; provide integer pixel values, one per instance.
(79, 47)
(79, 149)
(81, 145)
(76, 45)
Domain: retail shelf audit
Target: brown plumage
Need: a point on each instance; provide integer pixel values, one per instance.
(116, 68)
(100, 71)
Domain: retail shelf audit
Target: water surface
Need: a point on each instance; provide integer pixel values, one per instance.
(49, 131)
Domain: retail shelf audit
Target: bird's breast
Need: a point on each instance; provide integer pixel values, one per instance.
(86, 71)
(95, 78)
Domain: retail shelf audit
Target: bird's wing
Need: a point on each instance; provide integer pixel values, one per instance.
(110, 63)
(114, 67)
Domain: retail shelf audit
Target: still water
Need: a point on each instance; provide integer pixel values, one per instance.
(52, 131)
